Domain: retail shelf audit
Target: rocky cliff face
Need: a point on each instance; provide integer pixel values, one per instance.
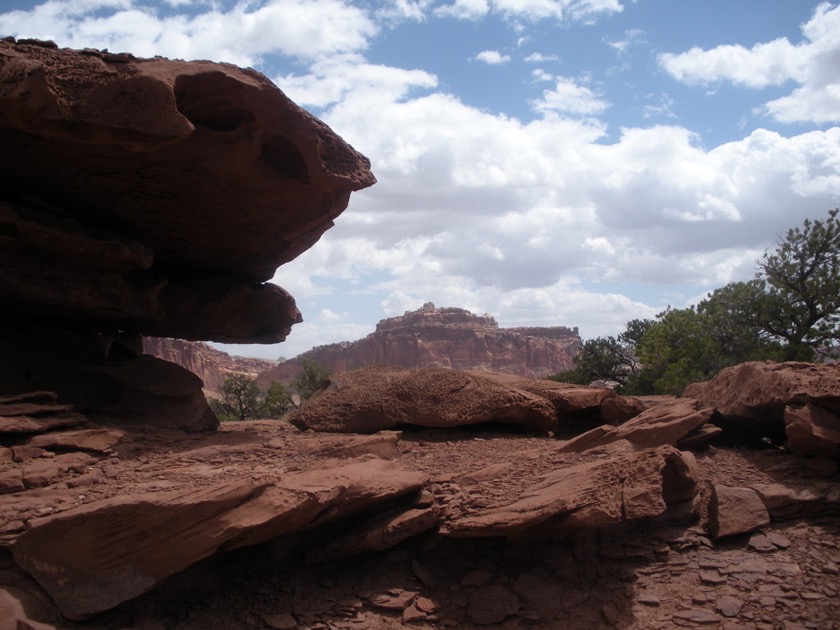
(149, 197)
(446, 338)
(205, 361)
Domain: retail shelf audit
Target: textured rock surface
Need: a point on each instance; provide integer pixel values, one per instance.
(446, 338)
(812, 430)
(774, 394)
(381, 397)
(95, 557)
(104, 375)
(591, 495)
(206, 362)
(663, 423)
(643, 570)
(163, 194)
(736, 511)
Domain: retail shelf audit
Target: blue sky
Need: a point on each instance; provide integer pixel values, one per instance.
(550, 162)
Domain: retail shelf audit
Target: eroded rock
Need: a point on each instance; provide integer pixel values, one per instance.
(591, 495)
(802, 399)
(735, 511)
(110, 164)
(95, 557)
(381, 397)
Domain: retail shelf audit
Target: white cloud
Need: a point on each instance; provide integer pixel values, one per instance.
(569, 97)
(492, 57)
(540, 58)
(531, 10)
(339, 76)
(305, 29)
(812, 64)
(632, 37)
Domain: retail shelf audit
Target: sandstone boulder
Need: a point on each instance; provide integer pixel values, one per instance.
(735, 511)
(576, 404)
(775, 395)
(382, 397)
(158, 196)
(92, 558)
(664, 423)
(105, 376)
(812, 430)
(591, 495)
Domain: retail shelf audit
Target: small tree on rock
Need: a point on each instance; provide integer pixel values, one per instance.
(278, 400)
(240, 397)
(311, 378)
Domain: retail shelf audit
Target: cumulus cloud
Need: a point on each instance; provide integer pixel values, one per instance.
(812, 64)
(541, 58)
(569, 97)
(304, 29)
(492, 57)
(510, 217)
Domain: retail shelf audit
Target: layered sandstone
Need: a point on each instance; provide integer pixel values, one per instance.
(211, 365)
(450, 338)
(149, 197)
(158, 196)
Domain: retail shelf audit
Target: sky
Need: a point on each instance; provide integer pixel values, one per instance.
(549, 162)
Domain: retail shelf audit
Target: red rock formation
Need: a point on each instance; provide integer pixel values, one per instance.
(804, 398)
(149, 196)
(158, 196)
(205, 361)
(445, 338)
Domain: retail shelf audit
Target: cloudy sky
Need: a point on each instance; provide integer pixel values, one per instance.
(550, 162)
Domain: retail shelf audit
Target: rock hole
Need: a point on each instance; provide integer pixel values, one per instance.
(208, 100)
(283, 156)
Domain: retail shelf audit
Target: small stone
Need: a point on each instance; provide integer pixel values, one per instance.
(280, 621)
(413, 613)
(761, 543)
(426, 605)
(782, 542)
(476, 578)
(812, 596)
(649, 599)
(831, 569)
(399, 600)
(714, 579)
(729, 606)
(700, 616)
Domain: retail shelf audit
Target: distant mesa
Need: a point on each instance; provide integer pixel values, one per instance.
(454, 338)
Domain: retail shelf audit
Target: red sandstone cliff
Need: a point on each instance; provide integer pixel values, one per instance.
(445, 338)
(203, 360)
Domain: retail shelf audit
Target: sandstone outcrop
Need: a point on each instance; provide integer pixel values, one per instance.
(382, 397)
(211, 365)
(591, 495)
(95, 557)
(445, 338)
(149, 197)
(99, 518)
(159, 195)
(799, 400)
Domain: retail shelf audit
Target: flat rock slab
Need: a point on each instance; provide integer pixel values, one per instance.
(662, 423)
(95, 557)
(94, 440)
(593, 494)
(382, 397)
